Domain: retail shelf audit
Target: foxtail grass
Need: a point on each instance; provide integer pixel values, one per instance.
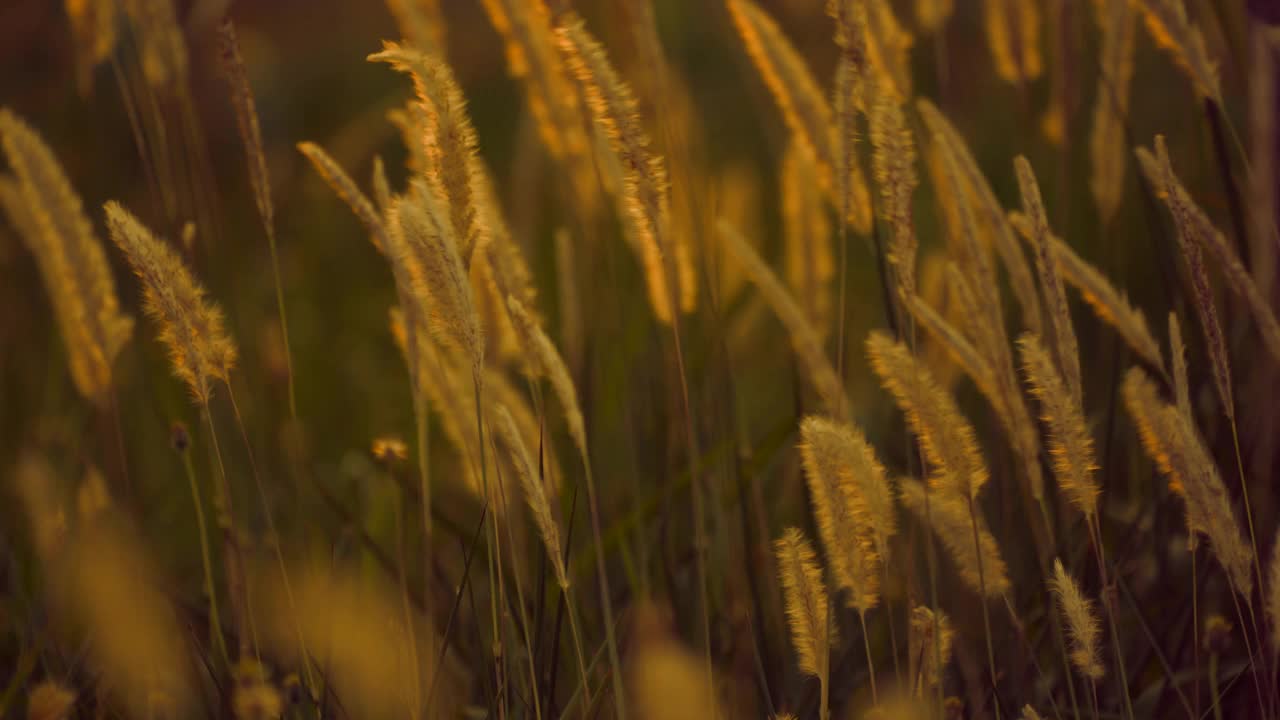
(1172, 29)
(246, 110)
(49, 217)
(807, 607)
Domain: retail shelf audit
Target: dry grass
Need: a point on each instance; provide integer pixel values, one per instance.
(628, 271)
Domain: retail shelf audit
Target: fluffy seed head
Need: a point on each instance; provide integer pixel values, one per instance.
(1064, 335)
(806, 601)
(893, 159)
(191, 326)
(1070, 445)
(48, 215)
(429, 238)
(1193, 227)
(1172, 29)
(1178, 451)
(948, 440)
(852, 503)
(644, 189)
(1082, 622)
(535, 492)
(1107, 302)
(548, 363)
(979, 563)
(931, 639)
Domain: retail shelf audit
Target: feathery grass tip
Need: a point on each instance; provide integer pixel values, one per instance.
(191, 326)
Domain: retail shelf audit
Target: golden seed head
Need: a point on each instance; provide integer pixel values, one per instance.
(191, 326)
(389, 450)
(806, 601)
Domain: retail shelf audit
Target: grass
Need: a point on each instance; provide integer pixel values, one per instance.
(742, 356)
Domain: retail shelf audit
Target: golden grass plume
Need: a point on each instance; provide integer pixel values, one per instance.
(1178, 451)
(1195, 223)
(553, 100)
(1107, 302)
(1081, 620)
(799, 98)
(1191, 223)
(191, 326)
(346, 189)
(931, 638)
(161, 45)
(1070, 445)
(979, 563)
(852, 503)
(948, 440)
(1117, 23)
(645, 189)
(981, 215)
(1064, 335)
(809, 263)
(805, 110)
(450, 142)
(806, 601)
(423, 224)
(960, 350)
(535, 491)
(246, 111)
(1013, 35)
(1173, 30)
(840, 452)
(49, 217)
(893, 160)
(548, 363)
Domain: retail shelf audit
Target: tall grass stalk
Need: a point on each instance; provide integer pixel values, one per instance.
(274, 539)
(210, 589)
(523, 615)
(986, 615)
(497, 594)
(1095, 532)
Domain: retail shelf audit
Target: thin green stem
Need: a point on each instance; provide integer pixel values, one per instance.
(986, 615)
(275, 539)
(572, 611)
(1031, 652)
(415, 710)
(231, 550)
(893, 635)
(871, 665)
(522, 616)
(1195, 633)
(606, 601)
(1096, 532)
(699, 519)
(497, 593)
(284, 329)
(215, 622)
